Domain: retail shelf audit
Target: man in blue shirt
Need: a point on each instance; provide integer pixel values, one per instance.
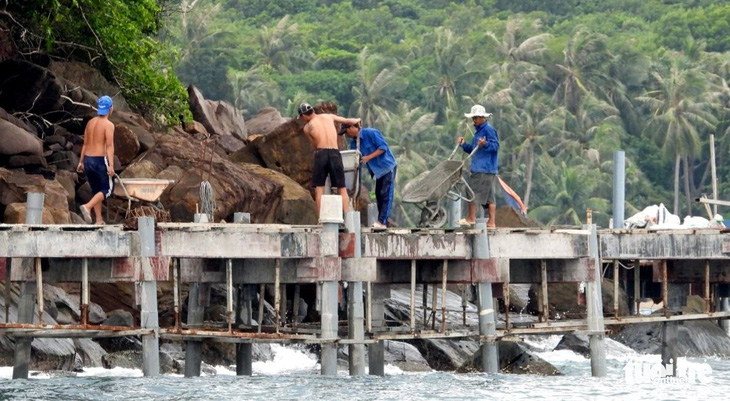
(381, 164)
(483, 166)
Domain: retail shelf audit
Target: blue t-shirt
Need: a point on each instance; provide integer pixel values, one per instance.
(485, 158)
(370, 141)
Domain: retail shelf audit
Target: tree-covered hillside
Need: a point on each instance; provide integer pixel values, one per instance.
(568, 81)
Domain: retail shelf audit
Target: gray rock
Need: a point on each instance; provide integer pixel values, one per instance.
(119, 317)
(91, 353)
(265, 121)
(218, 117)
(133, 360)
(695, 339)
(405, 356)
(15, 140)
(514, 358)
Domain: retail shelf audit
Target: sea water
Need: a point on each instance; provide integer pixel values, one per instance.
(294, 375)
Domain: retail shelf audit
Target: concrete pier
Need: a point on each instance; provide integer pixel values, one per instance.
(594, 308)
(725, 307)
(355, 310)
(670, 335)
(28, 294)
(244, 314)
(376, 351)
(331, 218)
(148, 298)
(248, 257)
(487, 312)
(197, 300)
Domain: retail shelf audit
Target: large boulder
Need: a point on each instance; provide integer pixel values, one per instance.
(143, 131)
(296, 205)
(15, 214)
(15, 140)
(288, 150)
(34, 89)
(89, 78)
(563, 300)
(514, 358)
(126, 144)
(235, 189)
(218, 117)
(265, 122)
(14, 185)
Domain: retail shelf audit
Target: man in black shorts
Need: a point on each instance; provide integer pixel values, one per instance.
(320, 129)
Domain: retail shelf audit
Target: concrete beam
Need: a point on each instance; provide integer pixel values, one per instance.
(692, 271)
(293, 271)
(539, 244)
(665, 245)
(558, 270)
(244, 244)
(68, 244)
(386, 245)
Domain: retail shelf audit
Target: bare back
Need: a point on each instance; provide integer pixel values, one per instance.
(321, 131)
(99, 132)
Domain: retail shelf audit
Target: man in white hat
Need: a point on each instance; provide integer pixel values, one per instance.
(483, 166)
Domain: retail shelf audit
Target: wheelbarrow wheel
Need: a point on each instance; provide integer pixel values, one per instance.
(433, 220)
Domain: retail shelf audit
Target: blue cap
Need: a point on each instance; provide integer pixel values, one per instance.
(104, 104)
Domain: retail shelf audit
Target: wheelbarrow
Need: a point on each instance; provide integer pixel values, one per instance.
(429, 188)
(141, 190)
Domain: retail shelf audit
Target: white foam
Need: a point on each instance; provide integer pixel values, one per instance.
(286, 360)
(114, 372)
(393, 370)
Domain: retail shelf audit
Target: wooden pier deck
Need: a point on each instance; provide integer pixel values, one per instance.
(246, 257)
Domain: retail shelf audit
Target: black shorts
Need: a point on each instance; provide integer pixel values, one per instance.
(328, 162)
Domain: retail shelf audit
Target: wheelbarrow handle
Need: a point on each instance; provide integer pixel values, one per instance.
(453, 152)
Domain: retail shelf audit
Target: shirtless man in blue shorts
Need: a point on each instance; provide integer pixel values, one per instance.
(97, 159)
(321, 131)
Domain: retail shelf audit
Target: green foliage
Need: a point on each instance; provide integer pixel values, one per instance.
(121, 36)
(569, 82)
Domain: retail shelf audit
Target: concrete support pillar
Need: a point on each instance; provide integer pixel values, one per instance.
(197, 294)
(148, 299)
(670, 333)
(244, 351)
(244, 314)
(372, 214)
(725, 307)
(355, 310)
(454, 212)
(193, 349)
(376, 351)
(329, 291)
(619, 188)
(487, 311)
(594, 306)
(27, 296)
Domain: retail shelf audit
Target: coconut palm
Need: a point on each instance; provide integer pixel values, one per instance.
(681, 109)
(454, 72)
(278, 47)
(572, 192)
(375, 95)
(252, 90)
(584, 68)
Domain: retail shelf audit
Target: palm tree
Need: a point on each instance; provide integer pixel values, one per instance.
(572, 192)
(279, 48)
(584, 68)
(252, 90)
(454, 71)
(681, 109)
(375, 95)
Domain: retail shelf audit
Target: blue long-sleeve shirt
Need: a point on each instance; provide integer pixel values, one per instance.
(370, 141)
(485, 158)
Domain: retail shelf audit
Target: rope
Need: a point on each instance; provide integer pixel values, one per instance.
(207, 199)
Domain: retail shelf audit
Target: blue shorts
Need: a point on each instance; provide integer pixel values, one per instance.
(97, 172)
